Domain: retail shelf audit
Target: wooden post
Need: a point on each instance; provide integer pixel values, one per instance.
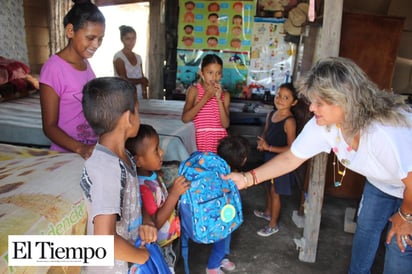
(329, 46)
(331, 27)
(157, 48)
(308, 244)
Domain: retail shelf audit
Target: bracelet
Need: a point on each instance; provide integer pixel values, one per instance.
(255, 181)
(406, 217)
(270, 148)
(245, 180)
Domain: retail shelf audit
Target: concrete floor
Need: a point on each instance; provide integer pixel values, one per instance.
(278, 253)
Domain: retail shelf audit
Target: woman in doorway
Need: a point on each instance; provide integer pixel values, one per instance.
(128, 64)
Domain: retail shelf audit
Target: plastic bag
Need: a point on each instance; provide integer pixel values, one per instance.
(156, 264)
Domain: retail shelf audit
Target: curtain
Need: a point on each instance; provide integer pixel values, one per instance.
(12, 33)
(57, 11)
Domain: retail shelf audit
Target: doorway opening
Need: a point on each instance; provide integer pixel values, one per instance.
(135, 15)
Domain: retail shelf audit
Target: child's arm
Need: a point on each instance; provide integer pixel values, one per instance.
(261, 138)
(180, 185)
(265, 129)
(223, 108)
(145, 229)
(147, 233)
(123, 249)
(190, 109)
(49, 102)
(290, 130)
(147, 218)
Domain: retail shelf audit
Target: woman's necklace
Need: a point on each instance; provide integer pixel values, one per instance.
(342, 173)
(336, 168)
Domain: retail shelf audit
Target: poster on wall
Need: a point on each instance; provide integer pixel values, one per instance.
(271, 59)
(220, 27)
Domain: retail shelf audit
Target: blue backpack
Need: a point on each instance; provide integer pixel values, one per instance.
(211, 209)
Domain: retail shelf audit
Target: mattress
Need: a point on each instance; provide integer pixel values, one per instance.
(20, 123)
(171, 108)
(40, 194)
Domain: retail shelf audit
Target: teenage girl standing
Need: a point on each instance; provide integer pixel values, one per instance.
(62, 78)
(278, 135)
(208, 105)
(128, 64)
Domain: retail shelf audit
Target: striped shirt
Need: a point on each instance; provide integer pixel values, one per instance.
(209, 129)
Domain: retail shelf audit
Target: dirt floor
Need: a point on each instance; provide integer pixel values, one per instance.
(254, 254)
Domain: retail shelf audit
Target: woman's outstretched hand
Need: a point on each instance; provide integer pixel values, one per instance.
(237, 178)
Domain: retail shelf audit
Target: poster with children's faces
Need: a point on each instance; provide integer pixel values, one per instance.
(216, 25)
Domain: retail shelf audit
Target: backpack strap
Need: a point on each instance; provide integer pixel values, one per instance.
(184, 240)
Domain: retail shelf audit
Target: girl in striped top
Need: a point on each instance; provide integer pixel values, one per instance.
(207, 105)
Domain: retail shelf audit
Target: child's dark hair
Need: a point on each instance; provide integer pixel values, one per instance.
(83, 11)
(300, 110)
(291, 88)
(125, 30)
(234, 150)
(190, 2)
(237, 16)
(105, 100)
(145, 131)
(213, 14)
(211, 59)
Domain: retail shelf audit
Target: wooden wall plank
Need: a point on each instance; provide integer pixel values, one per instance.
(37, 33)
(332, 21)
(157, 48)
